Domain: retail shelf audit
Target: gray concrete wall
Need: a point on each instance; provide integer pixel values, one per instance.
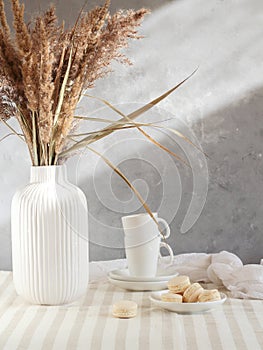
(220, 107)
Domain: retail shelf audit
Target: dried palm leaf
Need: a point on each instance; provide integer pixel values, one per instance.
(111, 128)
(125, 179)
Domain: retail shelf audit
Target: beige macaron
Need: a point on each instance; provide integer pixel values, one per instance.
(192, 293)
(209, 295)
(179, 284)
(172, 297)
(124, 309)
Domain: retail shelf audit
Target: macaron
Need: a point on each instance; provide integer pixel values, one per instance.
(179, 284)
(172, 297)
(209, 295)
(192, 293)
(124, 309)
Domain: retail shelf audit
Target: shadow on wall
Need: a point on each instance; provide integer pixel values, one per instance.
(232, 216)
(5, 256)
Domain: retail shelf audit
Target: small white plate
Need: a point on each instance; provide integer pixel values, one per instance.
(163, 274)
(138, 286)
(186, 308)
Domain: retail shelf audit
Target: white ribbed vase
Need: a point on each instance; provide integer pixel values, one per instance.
(50, 238)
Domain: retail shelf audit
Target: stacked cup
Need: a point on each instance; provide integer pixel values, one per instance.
(143, 241)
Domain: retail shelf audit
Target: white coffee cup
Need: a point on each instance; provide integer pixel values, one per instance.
(142, 240)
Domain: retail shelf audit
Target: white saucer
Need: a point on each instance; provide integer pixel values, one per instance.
(139, 286)
(163, 274)
(186, 308)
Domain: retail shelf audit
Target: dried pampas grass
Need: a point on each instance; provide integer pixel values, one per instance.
(45, 69)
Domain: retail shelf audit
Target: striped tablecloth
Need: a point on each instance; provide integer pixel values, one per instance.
(88, 324)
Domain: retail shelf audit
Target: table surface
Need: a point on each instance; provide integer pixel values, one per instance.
(88, 323)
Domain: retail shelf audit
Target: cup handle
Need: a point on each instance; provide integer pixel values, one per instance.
(166, 226)
(170, 251)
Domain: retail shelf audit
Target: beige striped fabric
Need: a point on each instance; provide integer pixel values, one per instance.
(88, 324)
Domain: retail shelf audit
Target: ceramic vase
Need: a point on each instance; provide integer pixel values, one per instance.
(50, 238)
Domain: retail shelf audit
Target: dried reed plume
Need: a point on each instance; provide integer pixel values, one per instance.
(45, 69)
